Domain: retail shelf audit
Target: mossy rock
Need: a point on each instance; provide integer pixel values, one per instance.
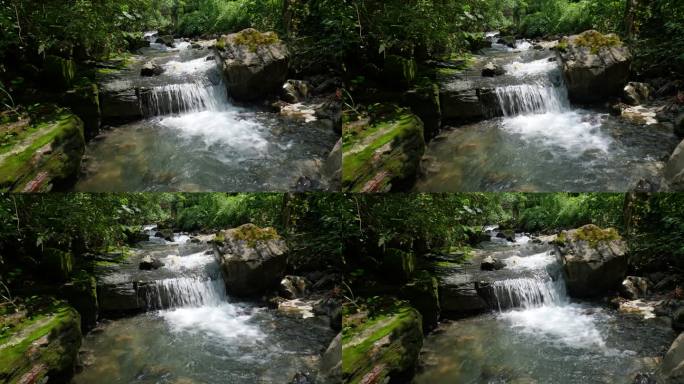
(590, 233)
(81, 293)
(84, 101)
(59, 72)
(382, 152)
(44, 153)
(399, 265)
(56, 264)
(399, 71)
(385, 347)
(253, 234)
(254, 39)
(42, 344)
(423, 99)
(423, 294)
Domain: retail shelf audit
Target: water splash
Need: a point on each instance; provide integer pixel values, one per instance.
(531, 99)
(185, 292)
(183, 98)
(526, 293)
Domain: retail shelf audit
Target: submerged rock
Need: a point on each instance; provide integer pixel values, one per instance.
(255, 64)
(595, 66)
(43, 346)
(253, 259)
(382, 152)
(43, 154)
(594, 260)
(384, 347)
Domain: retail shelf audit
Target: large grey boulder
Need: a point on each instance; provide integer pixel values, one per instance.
(461, 299)
(255, 64)
(330, 366)
(253, 259)
(595, 66)
(674, 169)
(672, 368)
(594, 260)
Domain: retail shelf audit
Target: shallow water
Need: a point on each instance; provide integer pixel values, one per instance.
(542, 143)
(195, 139)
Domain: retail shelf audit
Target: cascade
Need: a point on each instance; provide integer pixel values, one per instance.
(531, 98)
(183, 98)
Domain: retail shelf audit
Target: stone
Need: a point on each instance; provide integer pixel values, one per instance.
(459, 300)
(423, 294)
(636, 93)
(149, 263)
(295, 91)
(679, 125)
(674, 169)
(330, 365)
(399, 265)
(332, 167)
(120, 104)
(81, 293)
(46, 156)
(253, 260)
(634, 287)
(399, 71)
(595, 66)
(640, 115)
(167, 40)
(672, 368)
(678, 319)
(298, 308)
(255, 64)
(382, 153)
(491, 70)
(150, 69)
(293, 287)
(383, 348)
(164, 233)
(423, 99)
(492, 264)
(594, 260)
(44, 346)
(119, 299)
(508, 41)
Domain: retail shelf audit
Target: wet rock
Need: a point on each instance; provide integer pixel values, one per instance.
(640, 115)
(119, 298)
(509, 41)
(491, 70)
(149, 263)
(332, 308)
(507, 234)
(461, 105)
(458, 300)
(383, 151)
(538, 47)
(292, 287)
(302, 378)
(164, 233)
(253, 259)
(332, 168)
(255, 64)
(330, 366)
(634, 287)
(299, 308)
(50, 156)
(636, 93)
(298, 111)
(679, 125)
(674, 169)
(672, 368)
(81, 293)
(595, 66)
(210, 58)
(150, 69)
(43, 347)
(594, 260)
(295, 91)
(120, 104)
(492, 264)
(383, 348)
(423, 99)
(423, 294)
(167, 40)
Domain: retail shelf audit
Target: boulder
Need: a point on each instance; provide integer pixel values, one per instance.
(381, 153)
(492, 264)
(594, 260)
(636, 93)
(295, 91)
(293, 287)
(399, 265)
(298, 308)
(255, 64)
(150, 69)
(507, 234)
(384, 348)
(332, 308)
(84, 100)
(149, 263)
(167, 40)
(81, 293)
(423, 294)
(120, 104)
(491, 70)
(399, 71)
(42, 345)
(45, 155)
(594, 66)
(509, 41)
(330, 366)
(423, 99)
(678, 319)
(165, 233)
(679, 125)
(674, 169)
(253, 259)
(119, 298)
(461, 299)
(672, 368)
(332, 168)
(634, 287)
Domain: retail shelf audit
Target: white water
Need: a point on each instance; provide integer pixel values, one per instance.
(184, 98)
(531, 99)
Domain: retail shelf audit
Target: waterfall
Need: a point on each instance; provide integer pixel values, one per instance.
(183, 98)
(531, 98)
(527, 292)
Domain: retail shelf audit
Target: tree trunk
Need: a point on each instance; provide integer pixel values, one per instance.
(630, 11)
(287, 17)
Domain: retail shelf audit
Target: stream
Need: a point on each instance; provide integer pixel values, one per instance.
(193, 138)
(542, 142)
(193, 331)
(535, 333)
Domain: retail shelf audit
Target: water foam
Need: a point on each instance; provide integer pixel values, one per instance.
(519, 69)
(226, 321)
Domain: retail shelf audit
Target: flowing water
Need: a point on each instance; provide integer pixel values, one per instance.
(537, 334)
(542, 142)
(195, 333)
(194, 138)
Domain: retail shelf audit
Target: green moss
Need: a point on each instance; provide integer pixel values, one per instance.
(400, 329)
(593, 234)
(447, 264)
(253, 39)
(388, 125)
(253, 234)
(594, 41)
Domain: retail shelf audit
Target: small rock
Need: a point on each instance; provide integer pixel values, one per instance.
(634, 287)
(151, 69)
(167, 40)
(490, 70)
(508, 41)
(295, 91)
(538, 47)
(492, 264)
(636, 93)
(149, 263)
(551, 59)
(210, 58)
(292, 287)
